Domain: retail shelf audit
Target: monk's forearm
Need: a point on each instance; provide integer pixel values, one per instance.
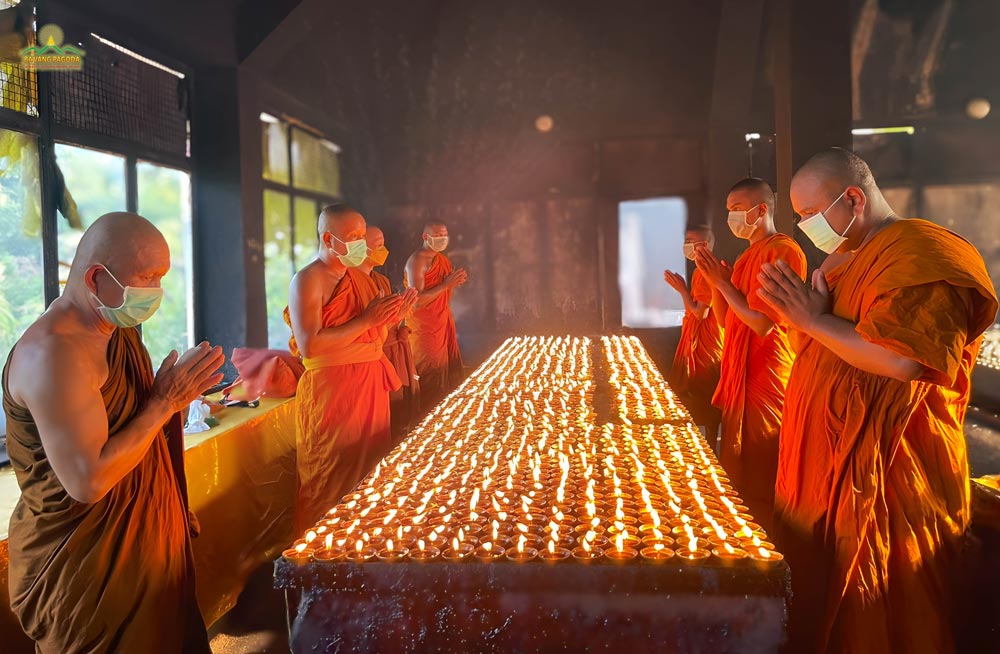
(737, 302)
(428, 295)
(840, 337)
(689, 303)
(719, 306)
(122, 452)
(332, 338)
(700, 310)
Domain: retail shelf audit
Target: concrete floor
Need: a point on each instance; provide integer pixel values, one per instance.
(257, 624)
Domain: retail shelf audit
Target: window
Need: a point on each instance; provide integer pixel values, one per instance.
(120, 97)
(22, 289)
(650, 236)
(95, 185)
(18, 87)
(301, 174)
(164, 196)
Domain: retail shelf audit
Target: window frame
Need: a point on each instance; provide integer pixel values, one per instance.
(291, 191)
(49, 133)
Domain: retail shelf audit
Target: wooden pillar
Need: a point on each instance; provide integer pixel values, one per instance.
(812, 91)
(730, 113)
(228, 257)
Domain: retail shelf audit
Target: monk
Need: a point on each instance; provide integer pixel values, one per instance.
(695, 373)
(100, 544)
(402, 402)
(434, 339)
(339, 320)
(872, 495)
(756, 358)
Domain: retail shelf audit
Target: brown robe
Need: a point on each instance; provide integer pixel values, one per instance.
(404, 401)
(116, 575)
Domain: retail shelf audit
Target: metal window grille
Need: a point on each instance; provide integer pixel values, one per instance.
(123, 97)
(18, 87)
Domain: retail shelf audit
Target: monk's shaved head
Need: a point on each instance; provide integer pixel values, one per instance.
(374, 237)
(343, 221)
(837, 168)
(699, 233)
(436, 228)
(751, 191)
(125, 243)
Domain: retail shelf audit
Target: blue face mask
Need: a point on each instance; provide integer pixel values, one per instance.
(138, 304)
(357, 252)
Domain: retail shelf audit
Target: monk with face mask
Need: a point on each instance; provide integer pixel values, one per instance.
(340, 320)
(756, 357)
(434, 337)
(100, 549)
(872, 495)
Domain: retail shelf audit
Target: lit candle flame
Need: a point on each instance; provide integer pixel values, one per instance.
(300, 548)
(329, 541)
(420, 544)
(388, 545)
(454, 544)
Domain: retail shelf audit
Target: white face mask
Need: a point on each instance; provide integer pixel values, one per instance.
(138, 305)
(436, 243)
(357, 252)
(738, 223)
(819, 231)
(689, 251)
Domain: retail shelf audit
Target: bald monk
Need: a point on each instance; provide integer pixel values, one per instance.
(402, 402)
(756, 358)
(872, 494)
(695, 372)
(339, 320)
(434, 339)
(100, 551)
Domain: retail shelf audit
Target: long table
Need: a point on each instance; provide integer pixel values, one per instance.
(560, 500)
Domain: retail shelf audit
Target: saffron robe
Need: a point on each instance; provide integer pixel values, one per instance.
(695, 370)
(752, 378)
(116, 575)
(872, 494)
(403, 402)
(433, 337)
(342, 405)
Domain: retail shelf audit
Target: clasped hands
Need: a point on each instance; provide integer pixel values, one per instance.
(388, 309)
(798, 305)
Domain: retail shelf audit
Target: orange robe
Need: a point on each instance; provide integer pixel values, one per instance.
(434, 338)
(872, 493)
(752, 378)
(696, 362)
(116, 575)
(342, 406)
(399, 353)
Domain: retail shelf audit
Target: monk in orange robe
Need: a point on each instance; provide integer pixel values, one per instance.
(434, 338)
(756, 358)
(873, 485)
(695, 372)
(100, 539)
(403, 402)
(339, 320)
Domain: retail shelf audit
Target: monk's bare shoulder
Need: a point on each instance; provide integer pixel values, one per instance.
(420, 257)
(314, 277)
(54, 351)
